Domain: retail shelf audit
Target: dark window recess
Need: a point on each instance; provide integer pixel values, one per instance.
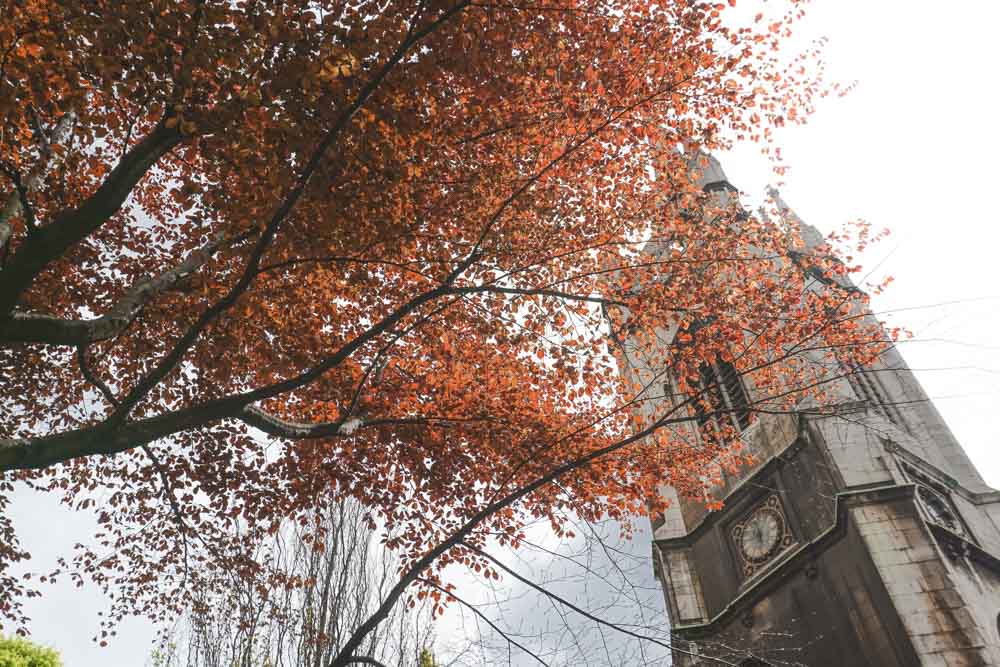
(868, 389)
(754, 662)
(722, 397)
(719, 186)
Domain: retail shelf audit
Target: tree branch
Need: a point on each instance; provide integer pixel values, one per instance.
(281, 428)
(88, 375)
(21, 189)
(817, 274)
(13, 206)
(70, 227)
(113, 436)
(492, 289)
(50, 330)
(415, 570)
(168, 493)
(471, 607)
(292, 430)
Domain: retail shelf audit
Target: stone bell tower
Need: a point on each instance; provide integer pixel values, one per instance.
(864, 538)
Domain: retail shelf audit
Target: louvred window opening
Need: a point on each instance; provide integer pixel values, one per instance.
(867, 388)
(723, 398)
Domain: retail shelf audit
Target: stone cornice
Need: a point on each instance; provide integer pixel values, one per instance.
(956, 487)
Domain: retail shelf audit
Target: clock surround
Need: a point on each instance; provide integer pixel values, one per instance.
(761, 535)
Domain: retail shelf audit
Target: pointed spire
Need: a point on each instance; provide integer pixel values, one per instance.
(707, 170)
(708, 173)
(811, 236)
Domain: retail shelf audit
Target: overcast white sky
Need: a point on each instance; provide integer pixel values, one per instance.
(913, 148)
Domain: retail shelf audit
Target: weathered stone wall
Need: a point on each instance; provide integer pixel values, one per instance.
(948, 606)
(827, 610)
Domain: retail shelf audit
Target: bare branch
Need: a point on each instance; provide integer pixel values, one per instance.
(88, 375)
(583, 612)
(471, 607)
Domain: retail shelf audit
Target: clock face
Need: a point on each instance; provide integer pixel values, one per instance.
(761, 535)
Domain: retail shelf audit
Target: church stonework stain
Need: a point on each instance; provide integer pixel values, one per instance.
(866, 542)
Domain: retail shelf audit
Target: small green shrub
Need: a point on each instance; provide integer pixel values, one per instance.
(426, 658)
(19, 652)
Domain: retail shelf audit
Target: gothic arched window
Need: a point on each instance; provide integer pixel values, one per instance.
(722, 398)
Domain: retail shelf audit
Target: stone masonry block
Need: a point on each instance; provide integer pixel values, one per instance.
(873, 514)
(922, 623)
(895, 556)
(879, 541)
(906, 523)
(946, 621)
(947, 598)
(913, 603)
(968, 658)
(960, 618)
(933, 660)
(937, 642)
(932, 579)
(903, 582)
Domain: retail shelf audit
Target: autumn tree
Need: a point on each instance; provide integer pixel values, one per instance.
(260, 256)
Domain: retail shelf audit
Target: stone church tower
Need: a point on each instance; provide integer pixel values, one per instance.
(865, 539)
